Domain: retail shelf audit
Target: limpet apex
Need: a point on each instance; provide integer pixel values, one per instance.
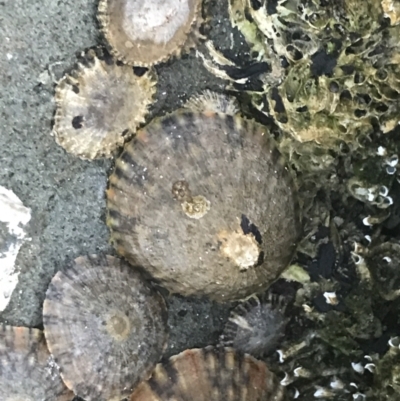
(100, 104)
(105, 326)
(205, 203)
(144, 33)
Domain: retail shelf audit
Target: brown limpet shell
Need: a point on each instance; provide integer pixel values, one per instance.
(100, 104)
(206, 204)
(28, 372)
(144, 33)
(211, 374)
(105, 326)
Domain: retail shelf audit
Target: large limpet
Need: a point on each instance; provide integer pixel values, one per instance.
(211, 374)
(141, 32)
(27, 370)
(100, 104)
(206, 204)
(105, 327)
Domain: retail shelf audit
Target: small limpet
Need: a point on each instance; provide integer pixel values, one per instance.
(205, 203)
(100, 104)
(213, 101)
(105, 326)
(211, 374)
(144, 33)
(257, 325)
(28, 371)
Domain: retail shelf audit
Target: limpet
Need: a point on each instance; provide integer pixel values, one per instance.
(205, 203)
(257, 325)
(211, 374)
(144, 33)
(28, 371)
(105, 327)
(100, 104)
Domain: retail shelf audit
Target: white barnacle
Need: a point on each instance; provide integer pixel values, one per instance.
(367, 221)
(370, 367)
(357, 367)
(331, 298)
(381, 151)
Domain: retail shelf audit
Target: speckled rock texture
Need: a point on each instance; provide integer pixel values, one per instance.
(38, 43)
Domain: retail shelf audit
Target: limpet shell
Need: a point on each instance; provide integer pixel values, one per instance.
(205, 203)
(28, 371)
(144, 33)
(256, 325)
(100, 104)
(211, 374)
(214, 102)
(105, 327)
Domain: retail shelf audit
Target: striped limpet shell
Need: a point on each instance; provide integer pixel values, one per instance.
(142, 32)
(257, 325)
(100, 104)
(105, 326)
(27, 370)
(211, 374)
(205, 203)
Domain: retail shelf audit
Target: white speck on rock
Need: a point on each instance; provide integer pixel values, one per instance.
(14, 217)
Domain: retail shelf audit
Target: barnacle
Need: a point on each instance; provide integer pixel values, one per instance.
(144, 33)
(211, 374)
(249, 223)
(105, 327)
(257, 325)
(100, 104)
(28, 372)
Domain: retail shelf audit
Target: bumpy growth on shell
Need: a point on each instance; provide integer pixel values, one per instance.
(257, 325)
(100, 104)
(211, 374)
(206, 204)
(105, 327)
(141, 32)
(28, 372)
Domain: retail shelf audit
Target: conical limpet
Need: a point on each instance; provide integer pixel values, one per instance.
(141, 32)
(211, 374)
(205, 203)
(28, 371)
(100, 104)
(257, 325)
(105, 326)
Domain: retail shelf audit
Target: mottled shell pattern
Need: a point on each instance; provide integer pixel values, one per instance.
(28, 371)
(211, 374)
(105, 327)
(100, 104)
(144, 33)
(205, 203)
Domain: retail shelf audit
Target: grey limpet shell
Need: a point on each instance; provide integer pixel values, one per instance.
(214, 102)
(105, 326)
(211, 374)
(100, 104)
(206, 204)
(144, 33)
(28, 371)
(257, 325)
